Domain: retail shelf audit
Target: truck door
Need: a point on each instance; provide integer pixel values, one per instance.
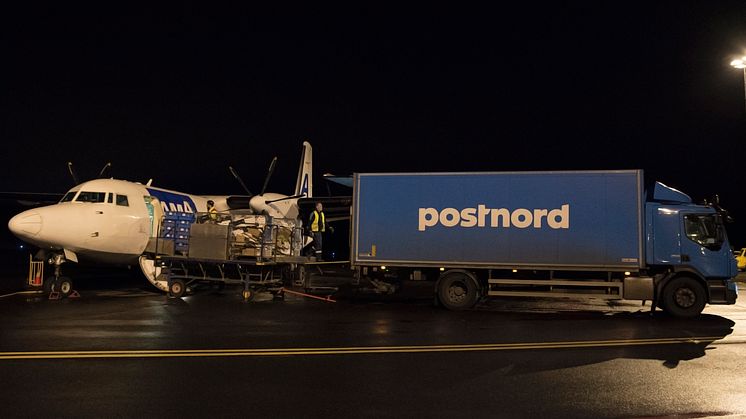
(666, 237)
(702, 244)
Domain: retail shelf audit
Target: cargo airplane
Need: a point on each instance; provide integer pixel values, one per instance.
(116, 221)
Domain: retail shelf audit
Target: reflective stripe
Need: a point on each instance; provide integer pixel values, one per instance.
(315, 221)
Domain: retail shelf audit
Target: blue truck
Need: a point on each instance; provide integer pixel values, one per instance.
(594, 234)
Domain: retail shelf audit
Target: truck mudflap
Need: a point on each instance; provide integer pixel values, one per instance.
(722, 291)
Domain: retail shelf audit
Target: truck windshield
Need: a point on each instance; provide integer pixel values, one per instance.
(705, 229)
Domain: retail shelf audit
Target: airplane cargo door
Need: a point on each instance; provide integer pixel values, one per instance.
(155, 212)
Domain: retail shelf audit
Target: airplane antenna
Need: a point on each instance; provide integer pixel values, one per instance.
(269, 174)
(106, 166)
(72, 172)
(238, 178)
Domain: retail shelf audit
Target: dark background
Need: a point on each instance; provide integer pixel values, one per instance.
(179, 94)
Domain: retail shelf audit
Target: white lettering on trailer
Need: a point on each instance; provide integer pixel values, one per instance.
(558, 218)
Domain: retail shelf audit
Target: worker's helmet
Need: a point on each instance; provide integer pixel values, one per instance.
(210, 202)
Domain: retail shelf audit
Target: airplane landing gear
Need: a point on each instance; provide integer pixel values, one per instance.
(58, 286)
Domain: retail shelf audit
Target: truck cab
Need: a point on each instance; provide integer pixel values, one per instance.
(687, 252)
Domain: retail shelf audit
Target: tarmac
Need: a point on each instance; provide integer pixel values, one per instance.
(123, 349)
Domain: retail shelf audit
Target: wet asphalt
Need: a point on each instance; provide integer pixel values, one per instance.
(125, 350)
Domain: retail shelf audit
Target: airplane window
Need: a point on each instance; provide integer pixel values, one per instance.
(91, 197)
(122, 200)
(68, 196)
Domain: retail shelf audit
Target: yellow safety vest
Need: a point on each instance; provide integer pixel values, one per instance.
(315, 221)
(213, 214)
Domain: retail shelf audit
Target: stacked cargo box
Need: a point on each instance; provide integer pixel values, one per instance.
(176, 226)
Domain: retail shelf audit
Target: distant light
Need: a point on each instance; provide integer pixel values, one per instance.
(739, 63)
(515, 270)
(21, 246)
(627, 273)
(383, 268)
(442, 269)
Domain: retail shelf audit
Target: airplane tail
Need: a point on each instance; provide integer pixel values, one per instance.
(304, 184)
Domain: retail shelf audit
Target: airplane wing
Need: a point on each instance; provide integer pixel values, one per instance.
(341, 180)
(32, 199)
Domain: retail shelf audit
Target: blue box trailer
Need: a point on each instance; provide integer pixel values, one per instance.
(596, 234)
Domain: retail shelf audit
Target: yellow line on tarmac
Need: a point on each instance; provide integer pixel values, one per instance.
(172, 353)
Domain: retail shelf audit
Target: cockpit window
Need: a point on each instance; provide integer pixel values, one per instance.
(68, 196)
(110, 198)
(122, 200)
(91, 197)
(705, 229)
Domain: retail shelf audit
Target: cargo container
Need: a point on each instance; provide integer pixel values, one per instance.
(594, 234)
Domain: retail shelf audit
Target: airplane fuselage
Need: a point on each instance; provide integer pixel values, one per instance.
(112, 221)
(104, 220)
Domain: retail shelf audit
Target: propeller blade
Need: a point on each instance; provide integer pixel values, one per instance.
(72, 172)
(269, 174)
(285, 198)
(240, 181)
(106, 166)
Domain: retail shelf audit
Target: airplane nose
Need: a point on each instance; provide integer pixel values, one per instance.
(25, 224)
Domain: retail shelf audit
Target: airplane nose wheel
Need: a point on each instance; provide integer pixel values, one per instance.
(63, 285)
(58, 286)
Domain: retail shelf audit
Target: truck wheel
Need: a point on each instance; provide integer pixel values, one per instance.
(177, 288)
(684, 297)
(64, 286)
(458, 291)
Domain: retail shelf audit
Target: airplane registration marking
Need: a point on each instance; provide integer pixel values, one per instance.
(170, 353)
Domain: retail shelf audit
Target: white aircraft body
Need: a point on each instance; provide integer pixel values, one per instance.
(112, 221)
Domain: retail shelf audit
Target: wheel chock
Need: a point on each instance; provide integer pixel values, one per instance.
(54, 295)
(74, 294)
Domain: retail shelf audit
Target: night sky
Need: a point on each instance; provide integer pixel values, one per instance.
(178, 95)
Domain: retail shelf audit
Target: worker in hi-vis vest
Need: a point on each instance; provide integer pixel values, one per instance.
(317, 223)
(212, 212)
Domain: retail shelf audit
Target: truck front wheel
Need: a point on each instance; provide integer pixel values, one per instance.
(458, 291)
(684, 297)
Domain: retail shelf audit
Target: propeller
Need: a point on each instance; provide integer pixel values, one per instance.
(106, 166)
(266, 179)
(240, 181)
(285, 198)
(269, 174)
(72, 172)
(76, 180)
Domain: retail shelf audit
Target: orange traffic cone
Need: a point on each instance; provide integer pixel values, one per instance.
(36, 282)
